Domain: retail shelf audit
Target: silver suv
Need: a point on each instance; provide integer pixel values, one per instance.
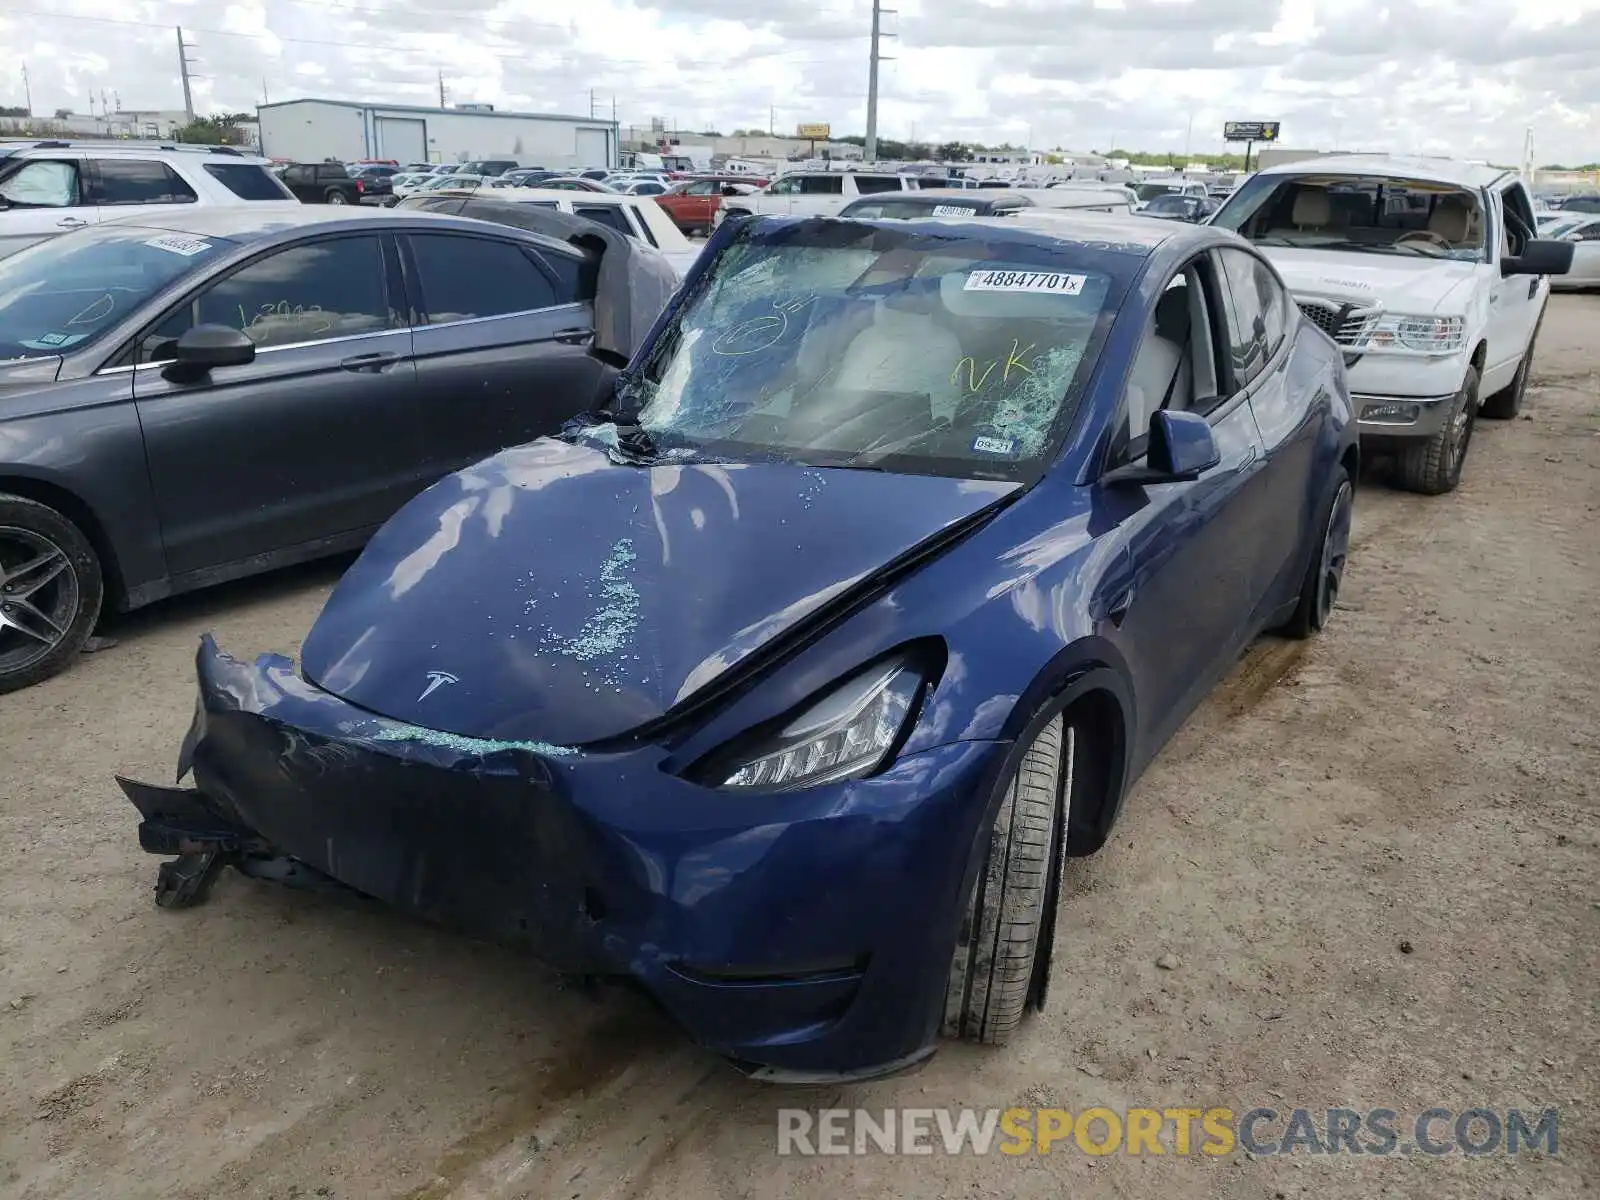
(51, 188)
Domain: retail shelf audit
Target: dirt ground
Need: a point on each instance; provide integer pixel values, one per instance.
(1424, 773)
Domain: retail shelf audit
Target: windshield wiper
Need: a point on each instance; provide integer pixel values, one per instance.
(1373, 247)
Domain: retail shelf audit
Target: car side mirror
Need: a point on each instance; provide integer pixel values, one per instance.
(1180, 448)
(1540, 256)
(206, 347)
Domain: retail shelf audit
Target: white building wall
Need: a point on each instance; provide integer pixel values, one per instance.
(311, 130)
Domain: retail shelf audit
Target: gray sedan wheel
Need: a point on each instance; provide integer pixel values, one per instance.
(50, 592)
(992, 971)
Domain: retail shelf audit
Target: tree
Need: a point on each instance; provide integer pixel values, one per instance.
(222, 129)
(953, 152)
(14, 111)
(63, 113)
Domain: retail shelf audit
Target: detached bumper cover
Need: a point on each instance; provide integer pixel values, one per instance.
(803, 935)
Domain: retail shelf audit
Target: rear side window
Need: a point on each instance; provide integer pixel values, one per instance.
(140, 181)
(869, 185)
(822, 185)
(248, 182)
(1257, 327)
(606, 214)
(466, 277)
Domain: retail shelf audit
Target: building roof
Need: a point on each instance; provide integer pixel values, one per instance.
(1424, 170)
(439, 112)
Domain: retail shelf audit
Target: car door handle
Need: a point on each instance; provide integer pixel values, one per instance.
(70, 223)
(374, 362)
(572, 337)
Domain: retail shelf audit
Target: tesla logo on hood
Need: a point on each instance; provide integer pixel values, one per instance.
(436, 679)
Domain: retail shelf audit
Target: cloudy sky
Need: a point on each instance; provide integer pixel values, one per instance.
(1439, 76)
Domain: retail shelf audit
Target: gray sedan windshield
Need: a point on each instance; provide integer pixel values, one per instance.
(63, 293)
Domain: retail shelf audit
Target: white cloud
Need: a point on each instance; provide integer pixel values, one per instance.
(1440, 76)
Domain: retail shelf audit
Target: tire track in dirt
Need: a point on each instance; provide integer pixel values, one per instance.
(601, 1141)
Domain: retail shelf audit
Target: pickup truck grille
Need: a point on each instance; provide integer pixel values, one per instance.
(1344, 325)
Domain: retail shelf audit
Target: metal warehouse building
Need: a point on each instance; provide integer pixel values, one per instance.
(314, 130)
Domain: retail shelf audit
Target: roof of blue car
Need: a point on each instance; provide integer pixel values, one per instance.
(1101, 232)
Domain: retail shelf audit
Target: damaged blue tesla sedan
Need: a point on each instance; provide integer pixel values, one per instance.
(783, 685)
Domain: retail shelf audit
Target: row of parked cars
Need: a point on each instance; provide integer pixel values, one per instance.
(937, 514)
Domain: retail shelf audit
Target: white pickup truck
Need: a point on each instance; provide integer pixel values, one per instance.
(1429, 276)
(815, 193)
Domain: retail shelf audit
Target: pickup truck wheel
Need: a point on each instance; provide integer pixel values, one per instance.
(1507, 403)
(50, 592)
(1433, 467)
(335, 196)
(992, 971)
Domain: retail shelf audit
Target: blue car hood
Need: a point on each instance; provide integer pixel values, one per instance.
(552, 595)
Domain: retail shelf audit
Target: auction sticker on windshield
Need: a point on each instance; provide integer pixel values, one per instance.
(1026, 281)
(954, 210)
(176, 243)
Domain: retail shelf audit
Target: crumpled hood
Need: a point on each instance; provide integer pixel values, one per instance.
(550, 594)
(1396, 283)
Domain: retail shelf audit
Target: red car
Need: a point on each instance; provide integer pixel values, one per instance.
(693, 204)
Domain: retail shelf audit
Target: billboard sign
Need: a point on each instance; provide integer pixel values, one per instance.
(814, 133)
(1250, 131)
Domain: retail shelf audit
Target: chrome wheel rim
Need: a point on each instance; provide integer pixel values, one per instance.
(1335, 550)
(38, 597)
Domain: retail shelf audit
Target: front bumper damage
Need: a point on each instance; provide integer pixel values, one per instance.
(805, 936)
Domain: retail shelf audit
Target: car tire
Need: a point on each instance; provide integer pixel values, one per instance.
(1507, 402)
(992, 972)
(51, 589)
(1433, 467)
(334, 196)
(1319, 591)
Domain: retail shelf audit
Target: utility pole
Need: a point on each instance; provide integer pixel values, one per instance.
(870, 151)
(591, 103)
(1188, 138)
(264, 98)
(183, 70)
(441, 89)
(772, 120)
(27, 91)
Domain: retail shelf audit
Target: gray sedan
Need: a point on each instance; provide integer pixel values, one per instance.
(205, 395)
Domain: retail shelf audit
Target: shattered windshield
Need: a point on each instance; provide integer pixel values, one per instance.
(1364, 215)
(926, 353)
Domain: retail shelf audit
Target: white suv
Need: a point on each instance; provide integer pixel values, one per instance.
(1429, 276)
(52, 188)
(815, 193)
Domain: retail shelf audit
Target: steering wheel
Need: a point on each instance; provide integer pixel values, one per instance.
(1426, 235)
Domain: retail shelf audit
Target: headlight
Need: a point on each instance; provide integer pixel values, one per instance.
(846, 733)
(1435, 335)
